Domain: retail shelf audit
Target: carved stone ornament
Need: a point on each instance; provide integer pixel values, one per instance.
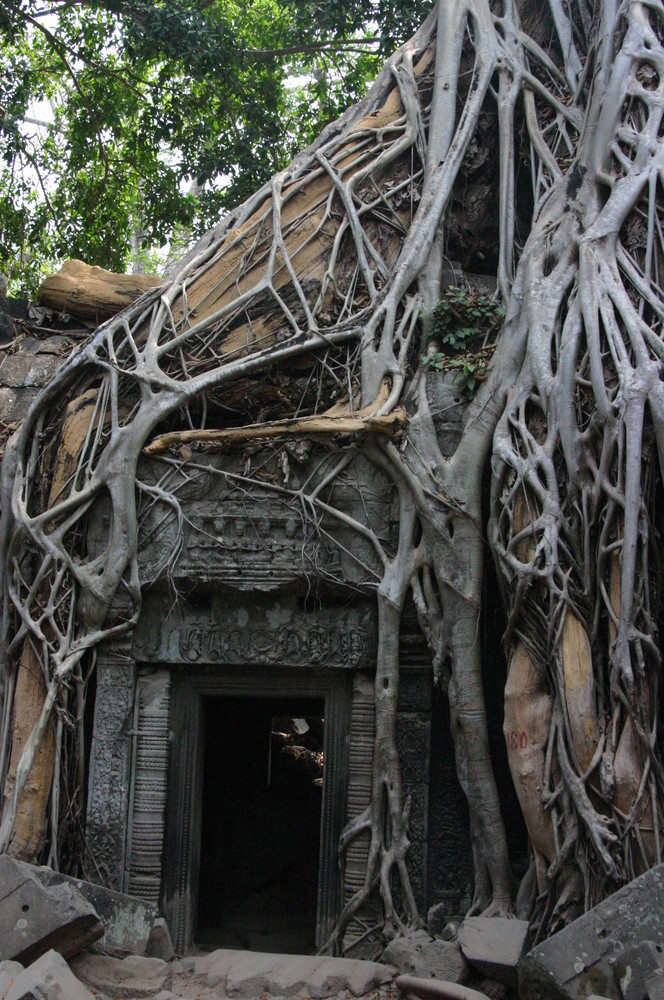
(260, 633)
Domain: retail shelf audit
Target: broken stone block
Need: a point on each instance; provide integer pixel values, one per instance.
(49, 978)
(127, 920)
(418, 955)
(7, 401)
(8, 973)
(213, 966)
(159, 943)
(133, 976)
(249, 974)
(367, 976)
(35, 918)
(635, 966)
(328, 978)
(655, 986)
(292, 976)
(245, 974)
(441, 924)
(494, 946)
(581, 958)
(7, 328)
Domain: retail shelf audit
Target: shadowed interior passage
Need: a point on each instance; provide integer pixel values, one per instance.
(262, 795)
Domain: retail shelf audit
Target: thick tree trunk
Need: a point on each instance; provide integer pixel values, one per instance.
(27, 843)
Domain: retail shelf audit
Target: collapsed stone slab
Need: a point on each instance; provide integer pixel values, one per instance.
(585, 957)
(133, 976)
(35, 918)
(494, 946)
(49, 978)
(127, 921)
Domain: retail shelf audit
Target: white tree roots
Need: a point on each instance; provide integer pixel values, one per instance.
(340, 260)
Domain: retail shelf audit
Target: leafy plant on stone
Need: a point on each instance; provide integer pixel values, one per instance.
(462, 320)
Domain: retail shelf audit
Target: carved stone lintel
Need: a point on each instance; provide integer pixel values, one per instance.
(259, 633)
(256, 539)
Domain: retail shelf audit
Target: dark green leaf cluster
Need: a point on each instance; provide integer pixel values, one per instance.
(125, 124)
(463, 316)
(462, 324)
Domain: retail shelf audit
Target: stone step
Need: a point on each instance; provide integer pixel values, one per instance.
(244, 974)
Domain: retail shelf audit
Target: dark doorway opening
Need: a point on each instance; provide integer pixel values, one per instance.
(260, 829)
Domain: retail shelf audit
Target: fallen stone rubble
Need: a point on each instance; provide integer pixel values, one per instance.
(616, 950)
(613, 952)
(49, 978)
(35, 918)
(237, 974)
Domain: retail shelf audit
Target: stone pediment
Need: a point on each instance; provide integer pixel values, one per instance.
(253, 535)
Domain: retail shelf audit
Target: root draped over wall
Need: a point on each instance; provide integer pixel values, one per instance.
(336, 267)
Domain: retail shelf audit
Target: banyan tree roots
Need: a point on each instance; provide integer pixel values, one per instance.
(313, 303)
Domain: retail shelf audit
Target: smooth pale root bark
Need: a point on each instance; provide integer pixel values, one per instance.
(345, 249)
(493, 888)
(528, 711)
(436, 989)
(628, 766)
(580, 693)
(493, 881)
(27, 841)
(527, 723)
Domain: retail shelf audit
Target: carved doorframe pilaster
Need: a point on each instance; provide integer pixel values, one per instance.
(149, 777)
(109, 781)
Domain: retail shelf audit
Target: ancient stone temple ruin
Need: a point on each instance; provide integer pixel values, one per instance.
(230, 736)
(268, 623)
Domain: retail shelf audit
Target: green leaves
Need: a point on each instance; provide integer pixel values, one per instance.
(464, 324)
(140, 98)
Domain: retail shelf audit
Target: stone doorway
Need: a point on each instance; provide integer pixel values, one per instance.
(257, 704)
(260, 823)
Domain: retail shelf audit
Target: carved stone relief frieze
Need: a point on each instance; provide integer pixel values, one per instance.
(259, 632)
(110, 765)
(256, 537)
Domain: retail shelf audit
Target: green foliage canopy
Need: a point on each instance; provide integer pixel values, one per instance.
(125, 124)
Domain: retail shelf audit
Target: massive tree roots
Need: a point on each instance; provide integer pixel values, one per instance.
(308, 313)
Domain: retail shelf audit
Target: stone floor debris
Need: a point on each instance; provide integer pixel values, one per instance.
(35, 918)
(614, 950)
(494, 946)
(49, 978)
(419, 955)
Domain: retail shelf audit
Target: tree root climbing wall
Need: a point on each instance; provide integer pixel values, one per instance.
(337, 265)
